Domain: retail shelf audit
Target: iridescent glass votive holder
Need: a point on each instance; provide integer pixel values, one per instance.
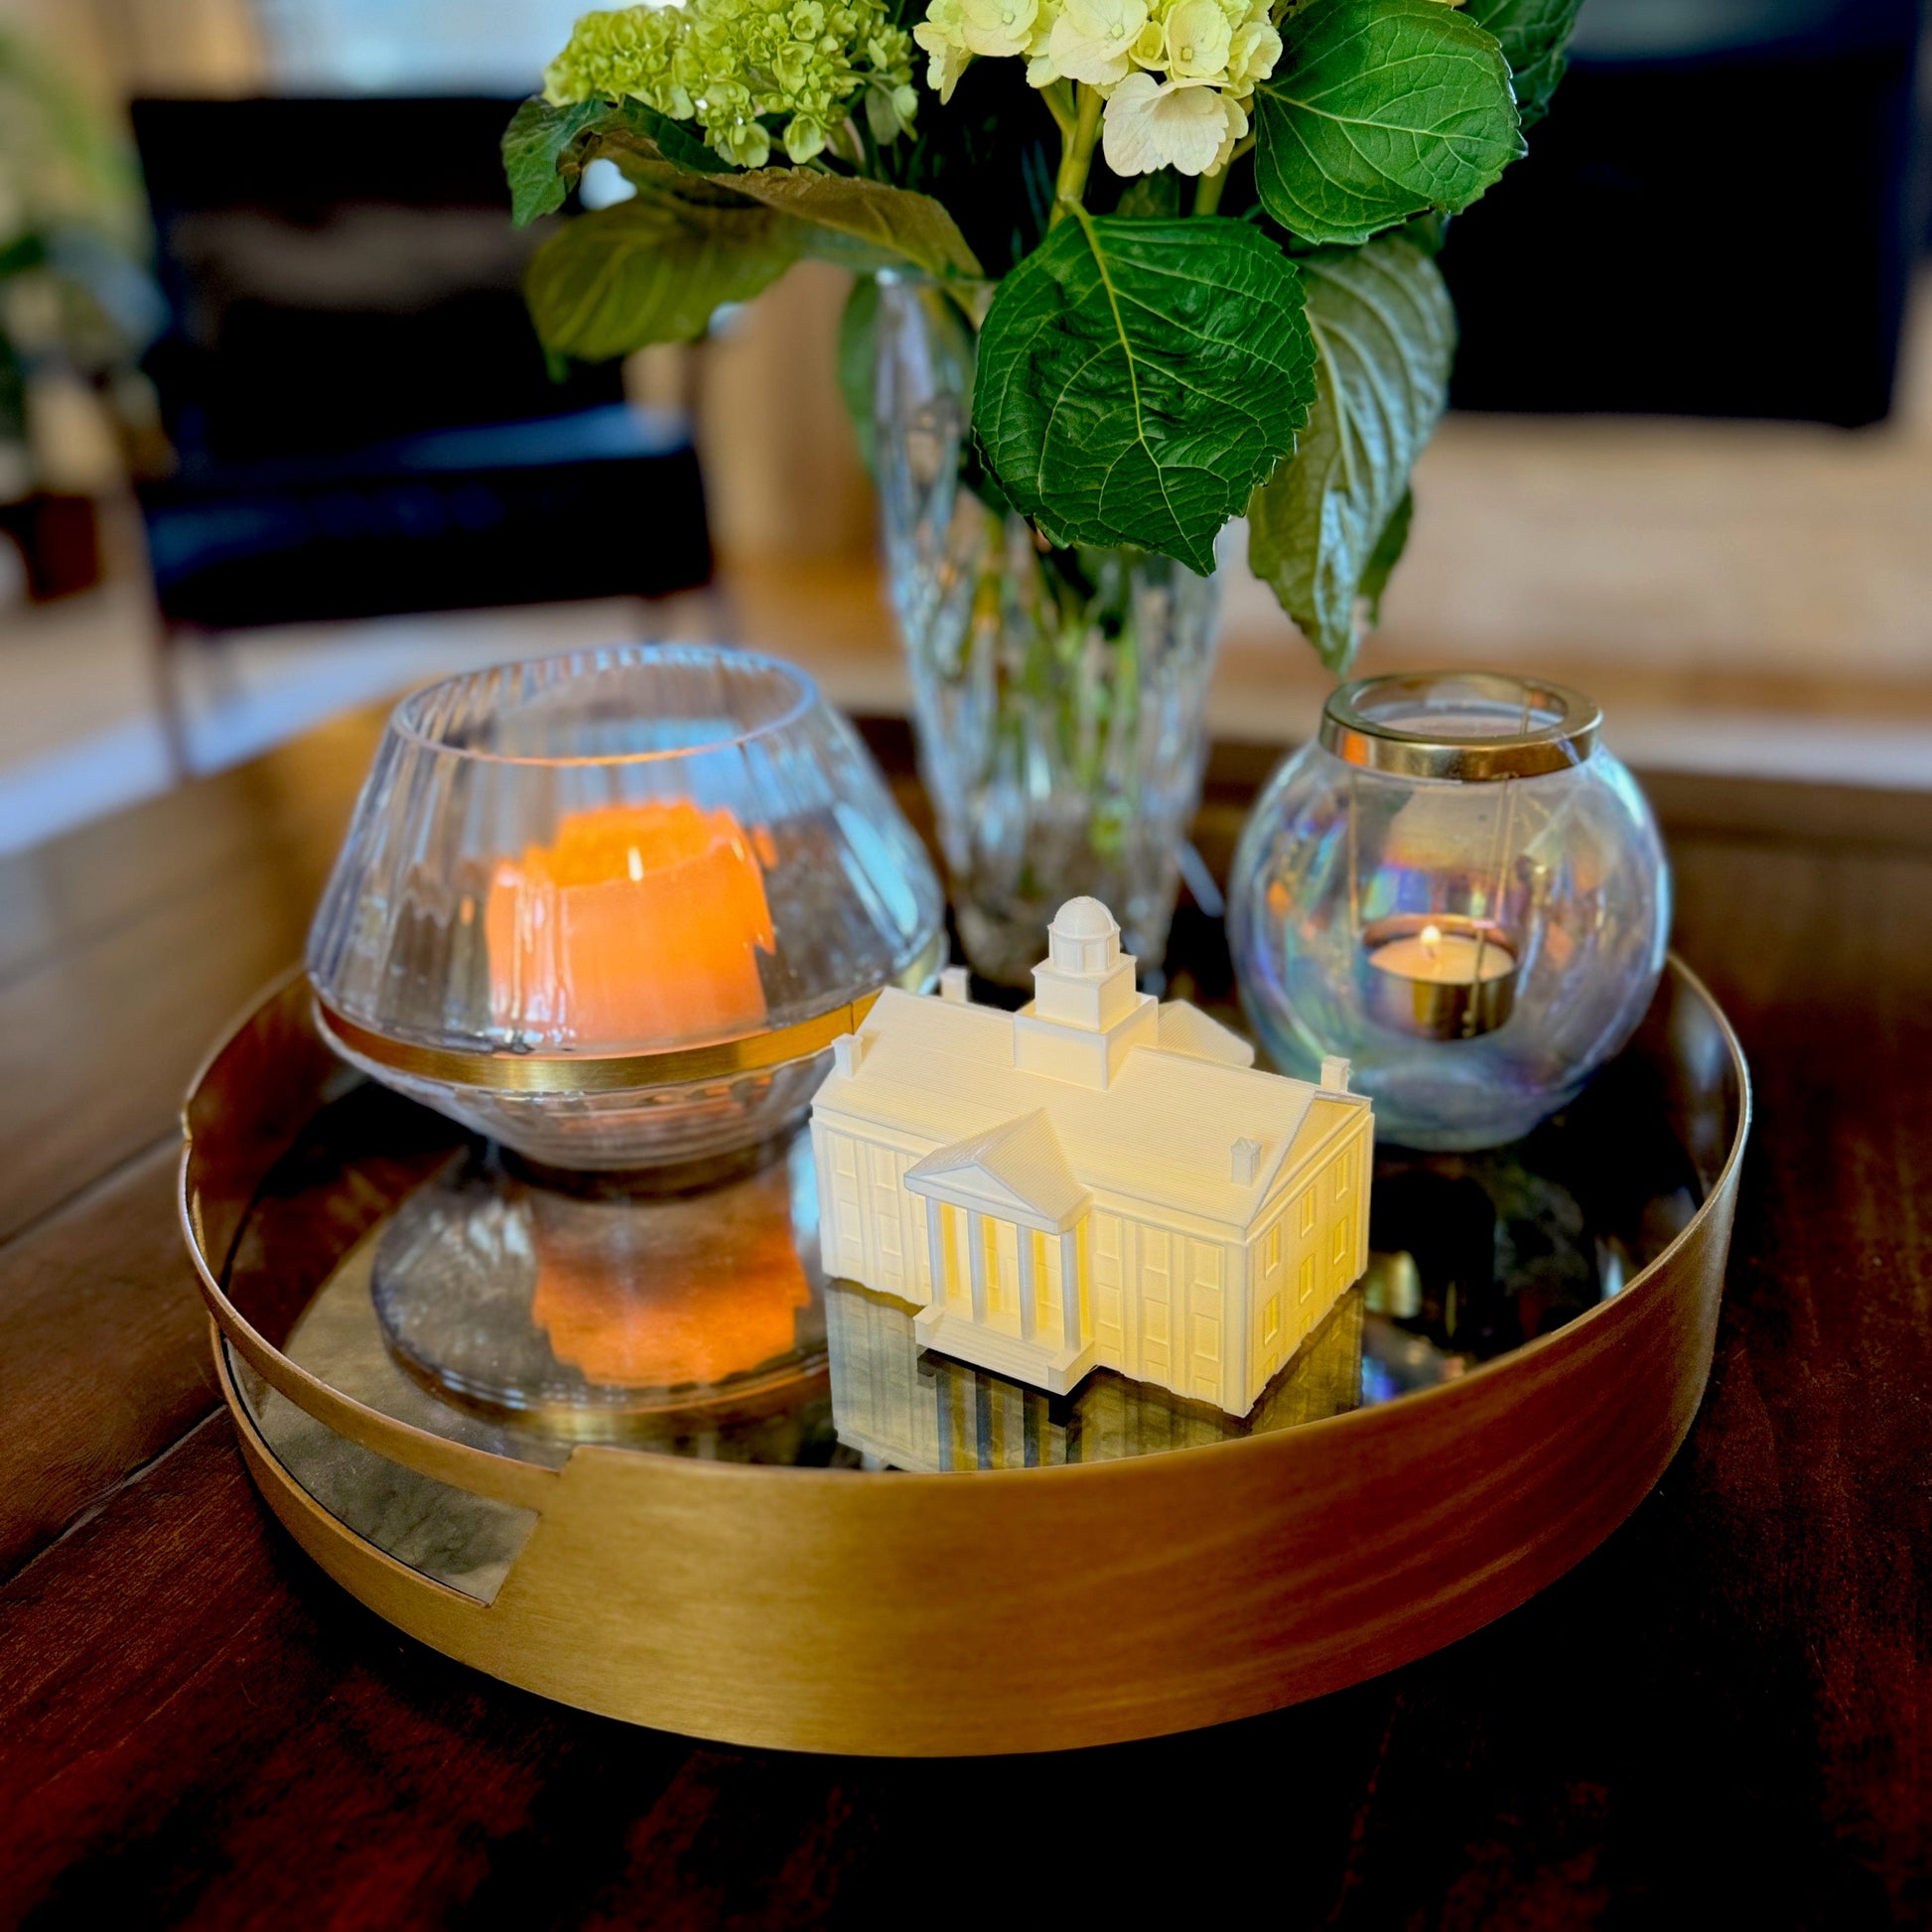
(1458, 889)
(612, 908)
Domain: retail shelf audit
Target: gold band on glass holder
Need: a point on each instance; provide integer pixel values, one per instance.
(1556, 728)
(720, 1059)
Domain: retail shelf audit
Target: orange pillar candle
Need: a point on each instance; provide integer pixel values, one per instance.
(638, 924)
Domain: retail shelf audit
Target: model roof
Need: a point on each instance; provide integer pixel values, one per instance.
(1162, 1130)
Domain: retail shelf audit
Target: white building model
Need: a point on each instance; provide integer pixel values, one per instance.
(1099, 1179)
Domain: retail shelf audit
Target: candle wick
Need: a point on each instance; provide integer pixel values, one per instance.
(1432, 938)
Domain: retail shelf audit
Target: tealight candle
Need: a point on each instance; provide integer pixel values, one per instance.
(637, 923)
(1441, 978)
(1444, 958)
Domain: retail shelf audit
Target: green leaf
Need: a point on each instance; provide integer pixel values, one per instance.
(1532, 35)
(627, 128)
(1157, 194)
(534, 144)
(1377, 111)
(1387, 553)
(867, 225)
(651, 270)
(1326, 528)
(857, 351)
(1139, 379)
(546, 147)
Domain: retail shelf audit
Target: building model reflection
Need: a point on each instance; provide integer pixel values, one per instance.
(902, 1406)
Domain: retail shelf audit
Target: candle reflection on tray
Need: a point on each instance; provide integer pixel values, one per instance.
(697, 1316)
(595, 1312)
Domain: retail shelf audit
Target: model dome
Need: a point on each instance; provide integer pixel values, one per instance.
(1083, 918)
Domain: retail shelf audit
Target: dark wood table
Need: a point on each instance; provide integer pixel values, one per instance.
(1722, 1718)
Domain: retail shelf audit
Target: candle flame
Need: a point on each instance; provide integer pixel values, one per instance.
(1432, 938)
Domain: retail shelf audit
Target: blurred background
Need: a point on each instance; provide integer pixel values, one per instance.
(276, 439)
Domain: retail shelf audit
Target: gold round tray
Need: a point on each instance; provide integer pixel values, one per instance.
(857, 1608)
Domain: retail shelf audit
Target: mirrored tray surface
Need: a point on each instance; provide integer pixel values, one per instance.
(690, 1315)
(633, 1451)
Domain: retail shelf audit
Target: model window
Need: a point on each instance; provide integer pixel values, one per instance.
(1271, 1318)
(1344, 1176)
(1306, 1212)
(1341, 1239)
(1274, 1246)
(1305, 1285)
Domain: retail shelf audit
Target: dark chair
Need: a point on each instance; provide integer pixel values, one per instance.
(1718, 219)
(363, 419)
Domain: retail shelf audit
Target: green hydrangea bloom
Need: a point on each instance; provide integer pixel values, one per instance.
(743, 68)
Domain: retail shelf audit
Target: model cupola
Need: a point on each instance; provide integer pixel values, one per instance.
(1086, 1016)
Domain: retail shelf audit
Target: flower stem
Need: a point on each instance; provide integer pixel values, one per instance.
(1208, 192)
(1076, 157)
(1058, 96)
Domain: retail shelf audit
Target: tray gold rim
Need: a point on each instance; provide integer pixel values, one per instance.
(855, 1657)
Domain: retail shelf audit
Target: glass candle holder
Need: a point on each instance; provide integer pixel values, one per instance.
(612, 908)
(1459, 890)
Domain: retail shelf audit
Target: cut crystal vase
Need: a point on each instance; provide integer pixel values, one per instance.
(1059, 694)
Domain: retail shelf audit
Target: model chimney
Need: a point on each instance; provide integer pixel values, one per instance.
(1334, 1074)
(1244, 1161)
(952, 985)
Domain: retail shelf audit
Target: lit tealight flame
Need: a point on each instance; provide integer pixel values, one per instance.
(1431, 938)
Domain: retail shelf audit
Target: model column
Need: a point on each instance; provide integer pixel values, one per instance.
(1070, 1287)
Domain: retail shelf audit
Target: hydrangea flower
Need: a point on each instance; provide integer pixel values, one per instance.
(632, 52)
(997, 26)
(1253, 49)
(1175, 74)
(1188, 125)
(942, 35)
(1092, 39)
(1197, 37)
(737, 67)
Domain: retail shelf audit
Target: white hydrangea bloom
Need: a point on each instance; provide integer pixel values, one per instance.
(1237, 127)
(1150, 48)
(1185, 125)
(1091, 39)
(1197, 38)
(942, 34)
(996, 28)
(1174, 72)
(1040, 71)
(1253, 49)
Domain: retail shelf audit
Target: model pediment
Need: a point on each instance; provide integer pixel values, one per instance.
(1016, 1170)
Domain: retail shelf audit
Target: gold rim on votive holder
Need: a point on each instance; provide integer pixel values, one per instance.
(1439, 1008)
(1554, 727)
(501, 1071)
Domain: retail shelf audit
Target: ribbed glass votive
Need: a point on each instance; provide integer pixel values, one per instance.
(613, 908)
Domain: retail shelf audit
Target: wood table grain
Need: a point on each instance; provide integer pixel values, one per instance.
(1722, 1718)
